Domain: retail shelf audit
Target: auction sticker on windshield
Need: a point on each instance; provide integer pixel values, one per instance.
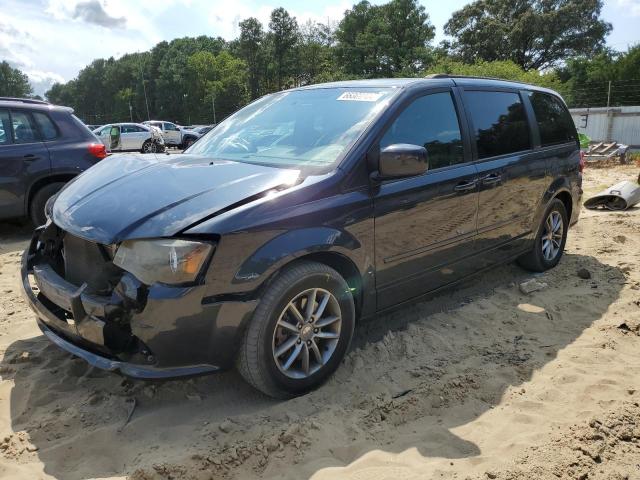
(360, 96)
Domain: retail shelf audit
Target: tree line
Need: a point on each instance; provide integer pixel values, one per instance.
(555, 43)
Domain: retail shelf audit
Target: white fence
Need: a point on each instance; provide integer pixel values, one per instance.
(616, 124)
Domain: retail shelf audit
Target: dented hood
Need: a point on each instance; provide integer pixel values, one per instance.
(143, 196)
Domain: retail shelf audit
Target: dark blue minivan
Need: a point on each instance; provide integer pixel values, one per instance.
(296, 217)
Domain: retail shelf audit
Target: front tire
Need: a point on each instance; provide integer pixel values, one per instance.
(300, 331)
(550, 240)
(39, 200)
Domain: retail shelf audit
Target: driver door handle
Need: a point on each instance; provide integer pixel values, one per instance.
(30, 157)
(491, 178)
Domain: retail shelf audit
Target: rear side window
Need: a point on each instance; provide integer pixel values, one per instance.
(499, 122)
(431, 122)
(554, 121)
(47, 128)
(23, 129)
(5, 127)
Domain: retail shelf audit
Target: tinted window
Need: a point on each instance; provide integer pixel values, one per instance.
(499, 122)
(5, 127)
(131, 129)
(23, 129)
(170, 126)
(430, 121)
(553, 118)
(47, 128)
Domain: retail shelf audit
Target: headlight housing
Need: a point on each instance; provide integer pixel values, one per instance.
(163, 260)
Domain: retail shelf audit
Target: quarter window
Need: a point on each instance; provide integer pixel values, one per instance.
(5, 127)
(47, 128)
(554, 120)
(430, 121)
(499, 122)
(23, 129)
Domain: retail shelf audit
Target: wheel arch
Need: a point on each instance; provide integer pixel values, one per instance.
(560, 188)
(344, 266)
(42, 182)
(334, 248)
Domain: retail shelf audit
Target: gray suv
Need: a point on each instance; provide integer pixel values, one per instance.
(42, 146)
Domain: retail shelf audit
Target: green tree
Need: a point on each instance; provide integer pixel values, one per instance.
(251, 50)
(314, 55)
(13, 83)
(406, 36)
(535, 34)
(384, 40)
(587, 79)
(505, 69)
(283, 35)
(357, 45)
(216, 78)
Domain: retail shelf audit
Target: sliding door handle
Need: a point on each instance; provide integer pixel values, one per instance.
(466, 186)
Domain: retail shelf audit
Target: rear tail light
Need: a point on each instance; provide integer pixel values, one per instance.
(98, 150)
(582, 161)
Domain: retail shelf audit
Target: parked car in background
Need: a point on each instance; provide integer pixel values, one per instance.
(304, 212)
(204, 129)
(175, 135)
(130, 137)
(42, 147)
(171, 133)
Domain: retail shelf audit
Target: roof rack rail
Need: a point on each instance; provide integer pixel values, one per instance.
(24, 100)
(479, 77)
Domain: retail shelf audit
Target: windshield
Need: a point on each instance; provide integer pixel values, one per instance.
(300, 128)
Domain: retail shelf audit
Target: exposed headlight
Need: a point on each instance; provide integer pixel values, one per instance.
(164, 260)
(48, 207)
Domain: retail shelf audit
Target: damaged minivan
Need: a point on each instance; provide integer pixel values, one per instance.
(301, 214)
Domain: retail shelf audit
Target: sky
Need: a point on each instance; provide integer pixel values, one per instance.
(51, 40)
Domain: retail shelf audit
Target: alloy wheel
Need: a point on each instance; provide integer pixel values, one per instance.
(552, 236)
(307, 333)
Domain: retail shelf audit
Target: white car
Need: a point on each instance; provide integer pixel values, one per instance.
(127, 137)
(171, 133)
(175, 135)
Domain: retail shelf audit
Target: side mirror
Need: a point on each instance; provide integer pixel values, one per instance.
(402, 160)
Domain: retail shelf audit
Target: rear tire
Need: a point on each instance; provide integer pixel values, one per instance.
(148, 146)
(320, 335)
(550, 239)
(39, 200)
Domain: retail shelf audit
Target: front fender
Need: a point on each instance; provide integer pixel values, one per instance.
(290, 245)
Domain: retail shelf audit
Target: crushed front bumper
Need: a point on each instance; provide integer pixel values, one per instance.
(171, 331)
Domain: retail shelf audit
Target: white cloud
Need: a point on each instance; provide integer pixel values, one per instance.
(632, 6)
(224, 16)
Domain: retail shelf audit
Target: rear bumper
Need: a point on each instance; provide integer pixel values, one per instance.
(168, 331)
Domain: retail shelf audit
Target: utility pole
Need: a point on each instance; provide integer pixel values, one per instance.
(144, 89)
(609, 114)
(130, 112)
(213, 107)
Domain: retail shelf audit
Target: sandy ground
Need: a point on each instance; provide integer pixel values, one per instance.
(479, 382)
